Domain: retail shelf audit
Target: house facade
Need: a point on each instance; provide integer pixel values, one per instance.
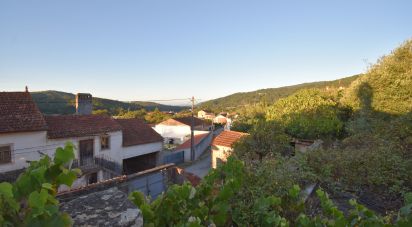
(222, 146)
(96, 138)
(105, 147)
(141, 146)
(223, 120)
(178, 130)
(202, 114)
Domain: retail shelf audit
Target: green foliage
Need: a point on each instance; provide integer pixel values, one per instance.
(274, 176)
(140, 114)
(156, 116)
(265, 138)
(57, 102)
(186, 205)
(237, 101)
(390, 82)
(308, 114)
(381, 168)
(249, 116)
(30, 201)
(101, 112)
(217, 202)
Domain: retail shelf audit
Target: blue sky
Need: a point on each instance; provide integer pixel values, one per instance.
(149, 49)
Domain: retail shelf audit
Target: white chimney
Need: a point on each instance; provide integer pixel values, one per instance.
(84, 104)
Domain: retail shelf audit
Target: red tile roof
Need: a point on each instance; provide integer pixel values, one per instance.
(19, 113)
(192, 178)
(137, 132)
(188, 121)
(171, 122)
(198, 138)
(228, 138)
(66, 126)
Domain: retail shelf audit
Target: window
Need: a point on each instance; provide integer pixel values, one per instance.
(104, 142)
(5, 154)
(171, 141)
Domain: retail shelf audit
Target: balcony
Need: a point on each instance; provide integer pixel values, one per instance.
(91, 164)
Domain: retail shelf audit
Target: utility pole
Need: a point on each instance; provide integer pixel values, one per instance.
(192, 137)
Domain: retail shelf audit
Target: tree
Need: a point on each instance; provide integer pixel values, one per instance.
(308, 114)
(101, 112)
(139, 114)
(390, 79)
(265, 138)
(156, 116)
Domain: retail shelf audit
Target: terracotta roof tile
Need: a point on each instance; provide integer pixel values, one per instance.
(228, 138)
(137, 132)
(188, 121)
(19, 113)
(198, 138)
(66, 126)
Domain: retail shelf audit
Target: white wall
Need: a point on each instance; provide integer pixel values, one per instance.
(24, 148)
(142, 149)
(220, 152)
(176, 132)
(201, 114)
(197, 132)
(113, 153)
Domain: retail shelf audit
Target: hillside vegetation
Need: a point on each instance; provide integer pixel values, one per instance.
(57, 102)
(389, 83)
(269, 95)
(366, 129)
(309, 113)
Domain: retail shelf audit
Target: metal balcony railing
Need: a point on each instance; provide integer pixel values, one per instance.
(95, 162)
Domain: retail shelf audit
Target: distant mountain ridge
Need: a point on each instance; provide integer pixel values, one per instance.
(57, 102)
(269, 95)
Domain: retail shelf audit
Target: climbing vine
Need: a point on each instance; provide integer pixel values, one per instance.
(31, 200)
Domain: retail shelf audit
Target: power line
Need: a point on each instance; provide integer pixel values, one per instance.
(73, 102)
(160, 100)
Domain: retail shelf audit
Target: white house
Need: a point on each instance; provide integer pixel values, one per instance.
(96, 138)
(222, 146)
(141, 146)
(205, 115)
(177, 130)
(223, 120)
(104, 147)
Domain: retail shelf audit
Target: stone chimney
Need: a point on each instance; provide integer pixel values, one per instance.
(84, 104)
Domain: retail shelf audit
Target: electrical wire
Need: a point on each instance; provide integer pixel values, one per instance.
(72, 101)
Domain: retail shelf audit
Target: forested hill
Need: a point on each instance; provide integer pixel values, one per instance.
(270, 95)
(57, 102)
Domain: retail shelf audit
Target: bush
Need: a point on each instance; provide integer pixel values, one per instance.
(308, 114)
(219, 201)
(265, 139)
